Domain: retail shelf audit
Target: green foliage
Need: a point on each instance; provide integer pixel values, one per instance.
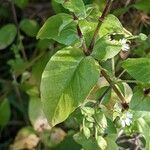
(7, 35)
(143, 5)
(21, 3)
(4, 112)
(84, 84)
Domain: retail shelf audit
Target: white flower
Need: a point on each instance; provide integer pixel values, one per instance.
(125, 46)
(126, 119)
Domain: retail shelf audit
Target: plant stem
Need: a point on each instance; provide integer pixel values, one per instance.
(17, 26)
(18, 94)
(119, 94)
(121, 74)
(82, 40)
(30, 64)
(100, 21)
(81, 37)
(129, 81)
(113, 65)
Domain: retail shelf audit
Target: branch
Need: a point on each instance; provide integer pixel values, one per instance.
(100, 21)
(119, 94)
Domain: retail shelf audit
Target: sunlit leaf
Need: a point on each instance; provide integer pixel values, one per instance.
(138, 68)
(105, 49)
(60, 28)
(75, 6)
(66, 83)
(139, 101)
(101, 142)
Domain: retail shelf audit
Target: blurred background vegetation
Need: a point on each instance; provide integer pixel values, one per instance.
(23, 58)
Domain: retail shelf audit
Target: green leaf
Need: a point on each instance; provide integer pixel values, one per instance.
(126, 90)
(111, 129)
(111, 24)
(147, 119)
(75, 6)
(87, 111)
(7, 35)
(87, 28)
(111, 144)
(4, 112)
(66, 83)
(101, 120)
(144, 129)
(68, 144)
(139, 101)
(36, 114)
(101, 142)
(60, 28)
(87, 1)
(86, 132)
(44, 44)
(34, 109)
(57, 7)
(87, 144)
(105, 49)
(143, 5)
(142, 37)
(29, 27)
(38, 67)
(138, 68)
(21, 3)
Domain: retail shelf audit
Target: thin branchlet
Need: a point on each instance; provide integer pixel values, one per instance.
(100, 21)
(80, 34)
(103, 72)
(17, 26)
(124, 104)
